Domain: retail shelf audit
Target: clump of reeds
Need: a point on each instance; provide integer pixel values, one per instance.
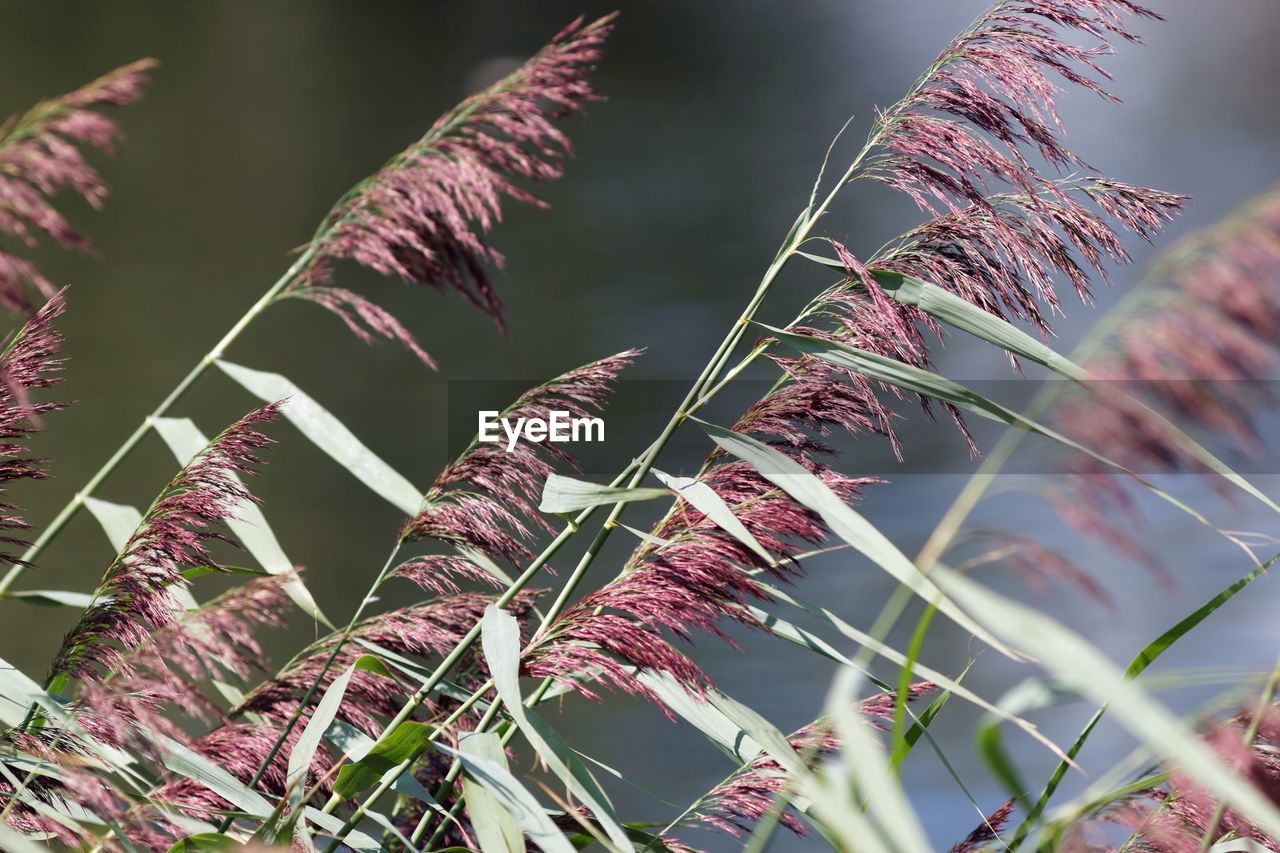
(161, 723)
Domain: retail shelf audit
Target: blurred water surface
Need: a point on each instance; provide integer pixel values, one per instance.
(684, 183)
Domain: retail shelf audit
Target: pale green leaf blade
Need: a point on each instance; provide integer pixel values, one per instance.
(249, 525)
(332, 825)
(500, 639)
(794, 479)
(496, 830)
(946, 307)
(704, 499)
(866, 760)
(899, 659)
(322, 717)
(15, 842)
(330, 435)
(566, 494)
(702, 715)
(1081, 667)
(834, 809)
(763, 732)
(516, 799)
(53, 597)
(191, 765)
(118, 521)
(205, 841)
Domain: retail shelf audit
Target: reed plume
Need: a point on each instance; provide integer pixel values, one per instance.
(214, 642)
(31, 361)
(135, 595)
(486, 500)
(426, 215)
(695, 579)
(1197, 343)
(39, 156)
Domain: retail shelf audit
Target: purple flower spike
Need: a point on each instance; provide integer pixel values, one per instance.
(39, 157)
(30, 361)
(135, 595)
(425, 216)
(486, 500)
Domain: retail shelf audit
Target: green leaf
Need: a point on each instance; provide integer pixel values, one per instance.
(330, 435)
(898, 658)
(355, 745)
(201, 571)
(794, 479)
(118, 521)
(402, 744)
(515, 798)
(1081, 667)
(565, 494)
(53, 597)
(500, 638)
(496, 830)
(926, 383)
(249, 525)
(868, 766)
(1137, 666)
(704, 499)
(322, 717)
(191, 765)
(205, 841)
(1030, 695)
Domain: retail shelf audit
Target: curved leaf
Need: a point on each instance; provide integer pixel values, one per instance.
(329, 434)
(797, 481)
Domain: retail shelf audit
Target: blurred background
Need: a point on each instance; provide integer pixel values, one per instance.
(684, 183)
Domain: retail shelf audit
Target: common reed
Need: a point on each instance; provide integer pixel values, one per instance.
(161, 725)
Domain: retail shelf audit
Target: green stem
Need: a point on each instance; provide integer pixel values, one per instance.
(73, 506)
(315, 682)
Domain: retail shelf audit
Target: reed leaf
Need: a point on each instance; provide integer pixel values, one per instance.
(118, 521)
(500, 638)
(1077, 664)
(249, 525)
(788, 475)
(496, 830)
(515, 799)
(565, 494)
(330, 435)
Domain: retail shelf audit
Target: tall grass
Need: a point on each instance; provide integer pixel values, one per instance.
(158, 726)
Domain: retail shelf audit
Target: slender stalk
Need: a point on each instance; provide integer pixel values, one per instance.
(315, 682)
(455, 770)
(73, 506)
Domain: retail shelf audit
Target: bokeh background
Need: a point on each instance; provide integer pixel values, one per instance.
(685, 181)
